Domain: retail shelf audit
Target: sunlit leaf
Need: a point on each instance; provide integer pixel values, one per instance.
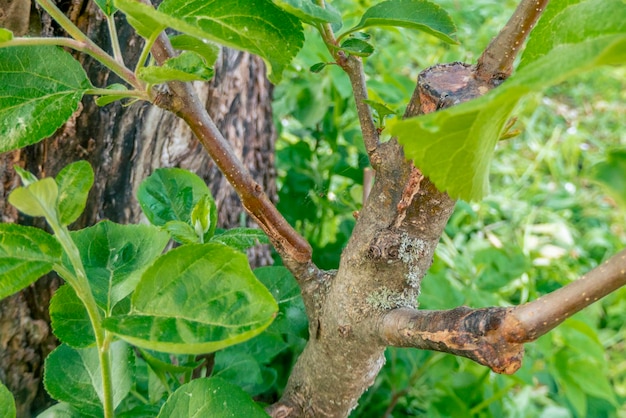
(115, 256)
(170, 194)
(207, 50)
(454, 147)
(5, 35)
(188, 66)
(70, 321)
(40, 88)
(197, 298)
(308, 11)
(241, 238)
(258, 27)
(26, 254)
(7, 403)
(74, 181)
(413, 14)
(213, 397)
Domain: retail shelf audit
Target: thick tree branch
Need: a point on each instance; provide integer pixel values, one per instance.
(183, 101)
(496, 62)
(494, 337)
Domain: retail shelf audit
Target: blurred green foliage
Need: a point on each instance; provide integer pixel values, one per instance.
(555, 211)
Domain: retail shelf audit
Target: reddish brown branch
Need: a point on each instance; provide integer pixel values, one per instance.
(494, 337)
(183, 101)
(496, 62)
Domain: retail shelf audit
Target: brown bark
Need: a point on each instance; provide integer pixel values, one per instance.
(124, 145)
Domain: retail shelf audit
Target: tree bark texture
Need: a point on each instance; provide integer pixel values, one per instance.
(124, 144)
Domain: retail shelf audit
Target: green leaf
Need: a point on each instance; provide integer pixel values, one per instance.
(106, 6)
(308, 11)
(141, 17)
(204, 217)
(213, 397)
(26, 176)
(241, 238)
(106, 99)
(5, 35)
(40, 88)
(612, 175)
(357, 47)
(170, 194)
(188, 66)
(37, 199)
(60, 410)
(316, 68)
(380, 108)
(7, 403)
(258, 27)
(454, 147)
(292, 319)
(182, 232)
(207, 50)
(413, 14)
(195, 299)
(73, 376)
(70, 321)
(115, 256)
(26, 254)
(74, 181)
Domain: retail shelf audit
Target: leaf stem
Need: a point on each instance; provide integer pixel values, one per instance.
(115, 43)
(81, 43)
(146, 51)
(79, 282)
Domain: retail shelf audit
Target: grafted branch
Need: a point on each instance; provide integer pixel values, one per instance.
(494, 337)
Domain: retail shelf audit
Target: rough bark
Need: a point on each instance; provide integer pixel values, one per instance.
(124, 145)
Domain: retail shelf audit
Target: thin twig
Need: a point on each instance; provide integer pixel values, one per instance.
(184, 102)
(496, 62)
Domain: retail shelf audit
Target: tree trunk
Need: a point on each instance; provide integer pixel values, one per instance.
(124, 145)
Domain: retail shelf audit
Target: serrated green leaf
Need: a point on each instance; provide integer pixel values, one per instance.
(115, 256)
(308, 11)
(241, 238)
(169, 194)
(141, 17)
(188, 66)
(40, 88)
(207, 50)
(195, 299)
(70, 321)
(37, 199)
(73, 376)
(5, 35)
(357, 47)
(26, 254)
(611, 174)
(182, 232)
(74, 181)
(204, 217)
(413, 14)
(258, 27)
(7, 403)
(454, 147)
(106, 6)
(213, 397)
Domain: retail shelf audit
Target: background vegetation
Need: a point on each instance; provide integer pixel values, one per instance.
(549, 218)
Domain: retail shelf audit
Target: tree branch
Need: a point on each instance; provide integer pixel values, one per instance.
(496, 62)
(494, 337)
(183, 101)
